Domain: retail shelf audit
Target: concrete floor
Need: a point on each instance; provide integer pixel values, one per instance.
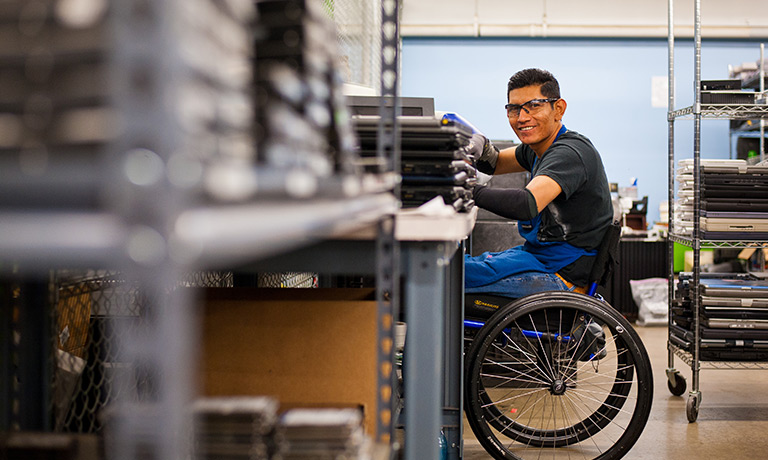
(732, 422)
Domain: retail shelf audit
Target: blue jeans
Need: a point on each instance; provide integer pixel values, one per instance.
(521, 285)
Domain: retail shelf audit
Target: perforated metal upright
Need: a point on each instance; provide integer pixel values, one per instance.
(387, 247)
(148, 59)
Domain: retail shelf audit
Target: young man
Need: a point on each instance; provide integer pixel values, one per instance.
(562, 212)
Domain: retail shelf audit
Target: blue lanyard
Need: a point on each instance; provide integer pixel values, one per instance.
(535, 221)
(562, 130)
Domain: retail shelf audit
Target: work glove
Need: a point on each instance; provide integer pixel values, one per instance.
(485, 154)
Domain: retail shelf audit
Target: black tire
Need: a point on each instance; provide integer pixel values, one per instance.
(531, 386)
(677, 388)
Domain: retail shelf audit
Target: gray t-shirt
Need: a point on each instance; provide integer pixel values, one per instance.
(583, 211)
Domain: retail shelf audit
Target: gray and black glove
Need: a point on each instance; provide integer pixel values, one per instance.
(484, 152)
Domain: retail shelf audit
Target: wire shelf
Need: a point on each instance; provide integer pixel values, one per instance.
(718, 244)
(687, 358)
(724, 111)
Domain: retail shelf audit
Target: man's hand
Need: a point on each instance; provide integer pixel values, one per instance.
(484, 152)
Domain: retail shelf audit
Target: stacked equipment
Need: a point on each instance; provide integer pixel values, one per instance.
(235, 428)
(54, 111)
(80, 85)
(733, 200)
(434, 162)
(302, 122)
(324, 434)
(733, 319)
(726, 92)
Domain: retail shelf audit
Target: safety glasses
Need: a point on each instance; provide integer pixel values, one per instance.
(530, 107)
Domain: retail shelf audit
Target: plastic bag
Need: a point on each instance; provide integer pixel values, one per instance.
(651, 296)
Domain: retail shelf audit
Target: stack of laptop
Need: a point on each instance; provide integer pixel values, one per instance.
(733, 200)
(733, 317)
(54, 112)
(235, 428)
(726, 92)
(433, 163)
(302, 120)
(80, 85)
(317, 434)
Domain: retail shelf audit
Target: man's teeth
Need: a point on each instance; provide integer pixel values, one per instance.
(527, 128)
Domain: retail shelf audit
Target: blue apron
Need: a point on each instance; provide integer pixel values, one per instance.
(532, 256)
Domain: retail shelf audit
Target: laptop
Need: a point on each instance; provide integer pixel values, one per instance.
(734, 288)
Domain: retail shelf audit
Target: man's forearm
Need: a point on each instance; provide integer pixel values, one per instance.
(507, 162)
(512, 203)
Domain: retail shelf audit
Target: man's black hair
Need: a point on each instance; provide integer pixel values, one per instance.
(550, 88)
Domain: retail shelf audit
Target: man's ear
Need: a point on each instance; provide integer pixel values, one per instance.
(560, 106)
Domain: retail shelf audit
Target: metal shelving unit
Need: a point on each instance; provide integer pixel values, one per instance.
(697, 112)
(150, 216)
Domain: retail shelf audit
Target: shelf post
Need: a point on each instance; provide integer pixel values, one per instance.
(670, 163)
(387, 247)
(762, 91)
(696, 194)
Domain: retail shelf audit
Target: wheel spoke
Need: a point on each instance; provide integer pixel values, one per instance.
(531, 361)
(529, 365)
(503, 400)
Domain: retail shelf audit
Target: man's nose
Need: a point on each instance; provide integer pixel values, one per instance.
(524, 114)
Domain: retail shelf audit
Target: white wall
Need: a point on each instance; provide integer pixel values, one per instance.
(581, 18)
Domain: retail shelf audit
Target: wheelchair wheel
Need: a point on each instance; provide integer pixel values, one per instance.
(557, 375)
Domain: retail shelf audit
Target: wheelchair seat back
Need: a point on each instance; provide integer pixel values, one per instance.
(607, 258)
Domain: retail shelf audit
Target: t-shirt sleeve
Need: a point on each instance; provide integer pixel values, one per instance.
(563, 165)
(524, 155)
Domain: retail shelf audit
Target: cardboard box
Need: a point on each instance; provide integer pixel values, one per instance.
(78, 304)
(73, 312)
(305, 347)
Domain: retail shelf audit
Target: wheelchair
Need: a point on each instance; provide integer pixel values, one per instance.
(556, 374)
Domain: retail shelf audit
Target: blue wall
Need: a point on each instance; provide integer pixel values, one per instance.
(607, 84)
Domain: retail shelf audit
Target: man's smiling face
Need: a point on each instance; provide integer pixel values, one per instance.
(539, 127)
